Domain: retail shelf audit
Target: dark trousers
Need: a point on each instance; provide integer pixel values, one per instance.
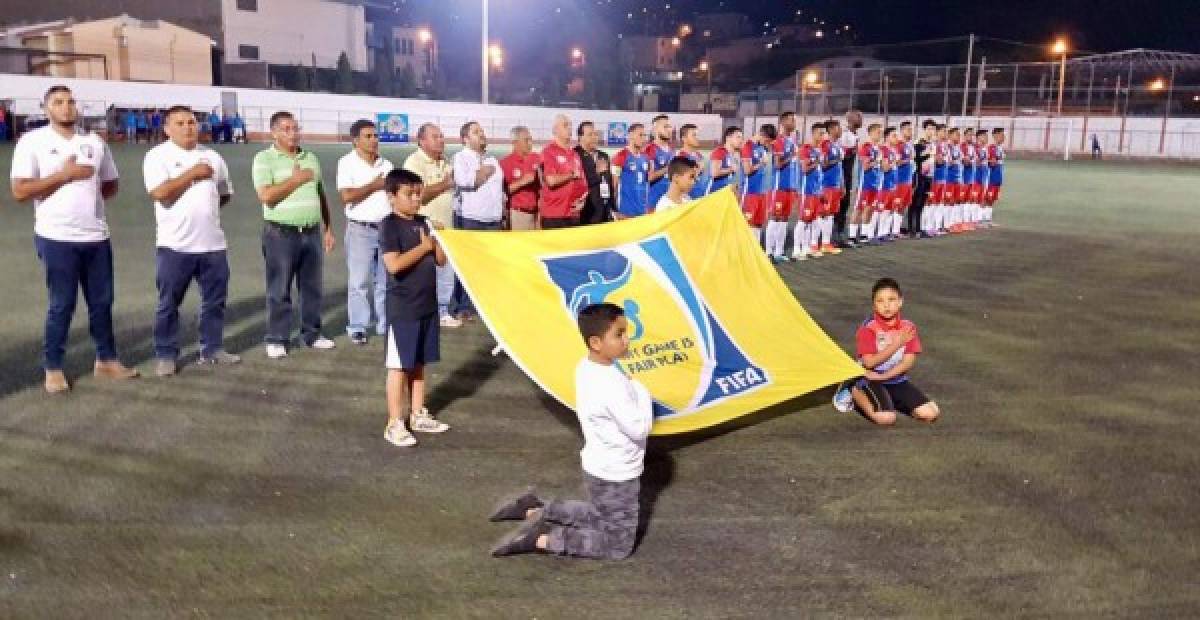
(462, 301)
(175, 272)
(839, 218)
(920, 195)
(69, 266)
(292, 256)
(549, 223)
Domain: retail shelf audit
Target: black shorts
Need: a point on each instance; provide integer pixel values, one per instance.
(413, 343)
(903, 397)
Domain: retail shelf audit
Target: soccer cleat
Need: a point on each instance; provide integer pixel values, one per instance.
(397, 435)
(815, 252)
(831, 249)
(276, 351)
(450, 322)
(358, 338)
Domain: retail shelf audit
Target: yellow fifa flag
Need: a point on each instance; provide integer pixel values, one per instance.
(715, 333)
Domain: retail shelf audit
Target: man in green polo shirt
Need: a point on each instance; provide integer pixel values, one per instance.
(288, 181)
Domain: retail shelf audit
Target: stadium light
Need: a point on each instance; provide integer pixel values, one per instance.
(576, 53)
(424, 35)
(1158, 84)
(685, 30)
(706, 68)
(1061, 48)
(703, 65)
(496, 55)
(676, 41)
(810, 77)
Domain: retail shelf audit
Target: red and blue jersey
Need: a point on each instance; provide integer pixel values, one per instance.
(661, 157)
(871, 159)
(969, 161)
(954, 161)
(832, 154)
(725, 159)
(633, 198)
(941, 163)
(890, 155)
(875, 334)
(995, 157)
(810, 162)
(755, 183)
(907, 171)
(785, 150)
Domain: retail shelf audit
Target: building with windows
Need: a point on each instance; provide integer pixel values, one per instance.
(416, 48)
(117, 48)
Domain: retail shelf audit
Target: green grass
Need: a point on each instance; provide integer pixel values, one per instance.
(1062, 348)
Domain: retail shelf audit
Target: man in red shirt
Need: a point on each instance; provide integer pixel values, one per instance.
(521, 181)
(563, 188)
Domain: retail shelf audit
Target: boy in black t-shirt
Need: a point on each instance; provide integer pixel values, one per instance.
(410, 254)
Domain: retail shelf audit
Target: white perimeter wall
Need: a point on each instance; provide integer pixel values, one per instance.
(1141, 137)
(325, 114)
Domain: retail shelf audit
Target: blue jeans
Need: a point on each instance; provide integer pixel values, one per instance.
(292, 257)
(461, 298)
(367, 286)
(69, 266)
(175, 272)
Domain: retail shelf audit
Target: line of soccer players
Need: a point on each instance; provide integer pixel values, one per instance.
(780, 172)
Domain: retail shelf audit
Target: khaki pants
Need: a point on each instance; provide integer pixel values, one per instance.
(522, 220)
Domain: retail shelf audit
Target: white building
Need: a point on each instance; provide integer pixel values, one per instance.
(294, 32)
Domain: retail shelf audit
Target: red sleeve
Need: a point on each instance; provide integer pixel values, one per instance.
(719, 154)
(825, 146)
(914, 345)
(778, 146)
(866, 341)
(619, 159)
(651, 151)
(748, 150)
(550, 164)
(506, 166)
(864, 151)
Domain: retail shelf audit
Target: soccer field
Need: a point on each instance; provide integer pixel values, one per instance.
(1060, 481)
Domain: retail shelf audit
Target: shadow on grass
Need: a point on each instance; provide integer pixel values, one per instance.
(19, 360)
(464, 381)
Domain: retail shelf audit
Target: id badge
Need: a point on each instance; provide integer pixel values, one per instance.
(605, 192)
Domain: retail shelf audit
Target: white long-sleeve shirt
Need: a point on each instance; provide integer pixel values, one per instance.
(615, 413)
(484, 203)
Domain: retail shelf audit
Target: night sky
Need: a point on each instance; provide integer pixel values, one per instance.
(532, 31)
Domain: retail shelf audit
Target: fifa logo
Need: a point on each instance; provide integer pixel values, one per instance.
(678, 345)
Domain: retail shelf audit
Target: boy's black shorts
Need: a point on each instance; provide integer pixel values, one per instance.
(903, 397)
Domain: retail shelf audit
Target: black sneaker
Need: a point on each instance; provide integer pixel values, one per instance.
(523, 539)
(359, 338)
(515, 507)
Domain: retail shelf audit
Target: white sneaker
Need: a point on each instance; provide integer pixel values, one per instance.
(322, 343)
(449, 321)
(397, 435)
(843, 400)
(276, 351)
(801, 255)
(425, 423)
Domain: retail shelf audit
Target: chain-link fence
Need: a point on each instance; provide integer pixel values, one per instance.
(1143, 104)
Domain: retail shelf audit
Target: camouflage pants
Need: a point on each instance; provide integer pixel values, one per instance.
(604, 527)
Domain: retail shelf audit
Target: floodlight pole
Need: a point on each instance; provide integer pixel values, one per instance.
(967, 79)
(1162, 139)
(484, 49)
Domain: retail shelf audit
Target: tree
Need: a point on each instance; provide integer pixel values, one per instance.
(344, 84)
(385, 69)
(406, 82)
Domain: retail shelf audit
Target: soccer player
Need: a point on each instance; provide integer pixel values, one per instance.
(954, 179)
(979, 145)
(660, 153)
(886, 210)
(968, 182)
(921, 209)
(808, 230)
(633, 184)
(941, 168)
(831, 183)
(689, 140)
(995, 162)
(756, 157)
(906, 175)
(69, 174)
(723, 163)
(870, 157)
(783, 195)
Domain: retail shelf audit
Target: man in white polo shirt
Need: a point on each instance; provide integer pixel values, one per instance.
(69, 173)
(480, 185)
(189, 184)
(360, 176)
